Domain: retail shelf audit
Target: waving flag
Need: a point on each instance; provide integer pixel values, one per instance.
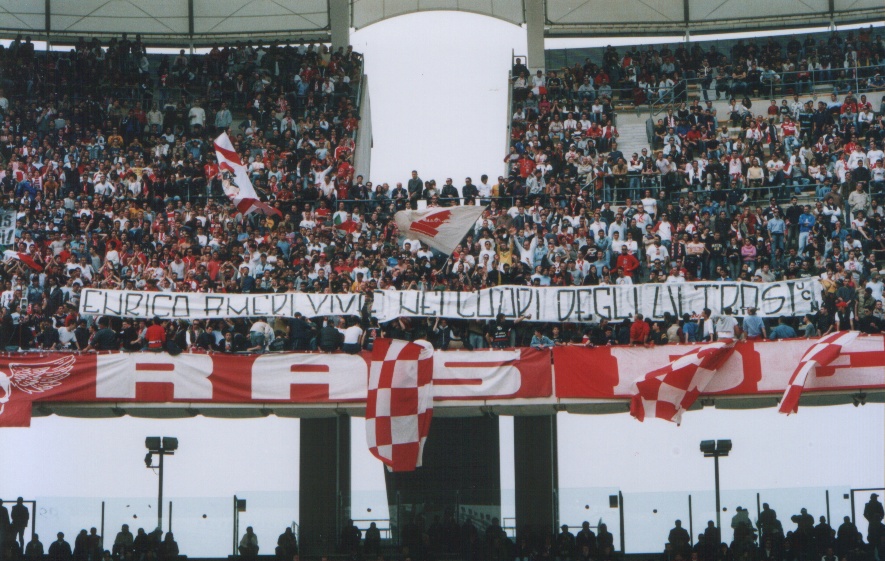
(822, 353)
(439, 227)
(667, 392)
(24, 258)
(399, 404)
(235, 181)
(348, 226)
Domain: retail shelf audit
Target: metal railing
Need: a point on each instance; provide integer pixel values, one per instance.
(801, 82)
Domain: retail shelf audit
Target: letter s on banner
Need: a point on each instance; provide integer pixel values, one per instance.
(116, 375)
(476, 374)
(345, 376)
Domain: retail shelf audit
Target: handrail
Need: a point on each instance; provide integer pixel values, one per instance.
(652, 105)
(509, 118)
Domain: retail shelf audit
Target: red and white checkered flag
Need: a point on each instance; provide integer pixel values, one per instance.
(399, 404)
(667, 392)
(822, 353)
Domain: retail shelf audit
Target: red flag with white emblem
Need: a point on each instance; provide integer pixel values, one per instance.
(441, 228)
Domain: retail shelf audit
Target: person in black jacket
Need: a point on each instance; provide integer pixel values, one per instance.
(34, 549)
(60, 550)
(301, 331)
(104, 339)
(330, 338)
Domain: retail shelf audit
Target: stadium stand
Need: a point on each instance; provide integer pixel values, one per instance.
(116, 187)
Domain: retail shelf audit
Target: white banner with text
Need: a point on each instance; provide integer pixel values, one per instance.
(613, 302)
(548, 304)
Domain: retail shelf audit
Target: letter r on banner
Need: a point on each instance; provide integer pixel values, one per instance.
(116, 375)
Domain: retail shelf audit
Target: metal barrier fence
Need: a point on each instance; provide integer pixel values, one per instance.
(769, 85)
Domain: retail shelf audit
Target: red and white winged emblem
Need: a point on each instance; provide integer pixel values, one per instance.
(34, 378)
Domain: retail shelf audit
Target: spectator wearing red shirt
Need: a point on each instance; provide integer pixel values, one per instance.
(627, 262)
(155, 335)
(639, 331)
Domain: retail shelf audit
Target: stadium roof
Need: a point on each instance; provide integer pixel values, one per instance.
(208, 21)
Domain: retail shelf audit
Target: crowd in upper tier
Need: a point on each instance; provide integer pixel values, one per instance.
(117, 187)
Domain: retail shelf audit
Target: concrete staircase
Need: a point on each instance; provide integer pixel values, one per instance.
(632, 137)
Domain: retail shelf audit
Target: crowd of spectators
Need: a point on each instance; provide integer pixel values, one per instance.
(421, 539)
(110, 196)
(763, 66)
(141, 546)
(766, 538)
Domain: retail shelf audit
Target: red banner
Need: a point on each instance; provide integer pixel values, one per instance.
(753, 368)
(499, 377)
(308, 378)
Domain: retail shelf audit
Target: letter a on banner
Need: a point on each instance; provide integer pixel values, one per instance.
(399, 403)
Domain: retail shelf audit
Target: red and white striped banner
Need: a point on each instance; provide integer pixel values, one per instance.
(824, 352)
(235, 180)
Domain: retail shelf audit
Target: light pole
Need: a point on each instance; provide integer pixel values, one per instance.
(714, 449)
(162, 447)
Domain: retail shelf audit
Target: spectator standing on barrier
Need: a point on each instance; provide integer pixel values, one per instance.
(248, 547)
(873, 513)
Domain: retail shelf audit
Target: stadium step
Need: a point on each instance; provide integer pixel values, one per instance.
(632, 138)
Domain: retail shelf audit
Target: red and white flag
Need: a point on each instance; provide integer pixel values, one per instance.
(348, 226)
(399, 402)
(441, 228)
(822, 353)
(24, 258)
(667, 392)
(235, 180)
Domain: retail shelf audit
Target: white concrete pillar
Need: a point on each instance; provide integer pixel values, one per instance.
(339, 21)
(535, 19)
